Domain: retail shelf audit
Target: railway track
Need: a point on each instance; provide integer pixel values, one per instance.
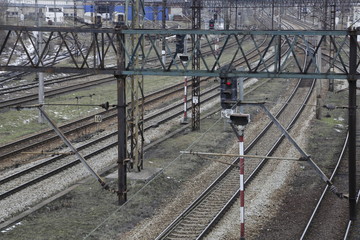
(338, 218)
(151, 118)
(14, 148)
(313, 225)
(232, 182)
(200, 217)
(32, 97)
(48, 82)
(48, 60)
(67, 163)
(208, 95)
(14, 187)
(54, 165)
(197, 220)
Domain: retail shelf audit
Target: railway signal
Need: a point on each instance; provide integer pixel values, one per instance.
(228, 93)
(180, 43)
(212, 23)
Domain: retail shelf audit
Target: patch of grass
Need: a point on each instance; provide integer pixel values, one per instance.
(331, 121)
(15, 124)
(86, 207)
(324, 140)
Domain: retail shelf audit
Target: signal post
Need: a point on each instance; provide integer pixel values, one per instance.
(241, 120)
(238, 121)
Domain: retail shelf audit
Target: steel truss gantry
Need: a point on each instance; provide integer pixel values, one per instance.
(269, 3)
(96, 49)
(103, 51)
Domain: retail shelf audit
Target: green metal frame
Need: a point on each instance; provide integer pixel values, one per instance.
(64, 43)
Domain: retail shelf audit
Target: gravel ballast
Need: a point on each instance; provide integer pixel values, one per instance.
(91, 213)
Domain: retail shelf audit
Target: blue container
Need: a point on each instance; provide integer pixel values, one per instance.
(160, 13)
(89, 8)
(121, 9)
(149, 12)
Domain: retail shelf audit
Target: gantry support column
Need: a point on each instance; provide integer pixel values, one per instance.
(352, 124)
(121, 116)
(136, 112)
(163, 20)
(40, 75)
(273, 13)
(196, 24)
(332, 50)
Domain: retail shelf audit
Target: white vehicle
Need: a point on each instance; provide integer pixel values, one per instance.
(91, 18)
(171, 38)
(105, 16)
(118, 18)
(54, 15)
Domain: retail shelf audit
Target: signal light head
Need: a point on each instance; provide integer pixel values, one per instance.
(228, 83)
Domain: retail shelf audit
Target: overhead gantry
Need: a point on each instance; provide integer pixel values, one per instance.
(104, 51)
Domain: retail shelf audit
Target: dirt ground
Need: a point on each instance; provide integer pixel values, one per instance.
(88, 212)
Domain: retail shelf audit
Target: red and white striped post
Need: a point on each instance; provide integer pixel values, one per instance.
(241, 120)
(242, 188)
(185, 99)
(184, 59)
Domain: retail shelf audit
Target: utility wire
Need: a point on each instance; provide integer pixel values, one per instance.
(150, 181)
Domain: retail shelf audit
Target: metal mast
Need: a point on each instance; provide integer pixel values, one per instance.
(332, 50)
(136, 111)
(121, 115)
(163, 49)
(40, 75)
(75, 13)
(196, 24)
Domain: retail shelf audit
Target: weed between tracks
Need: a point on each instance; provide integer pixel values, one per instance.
(15, 124)
(325, 139)
(74, 215)
(82, 210)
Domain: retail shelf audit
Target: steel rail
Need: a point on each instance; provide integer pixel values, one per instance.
(178, 88)
(51, 93)
(88, 156)
(49, 174)
(349, 225)
(259, 167)
(166, 233)
(193, 205)
(334, 171)
(150, 98)
(33, 85)
(15, 75)
(24, 87)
